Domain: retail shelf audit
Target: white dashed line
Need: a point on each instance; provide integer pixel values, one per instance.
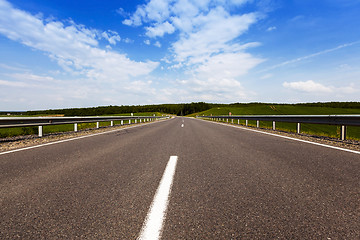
(152, 228)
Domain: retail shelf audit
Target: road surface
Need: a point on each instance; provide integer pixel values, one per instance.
(226, 183)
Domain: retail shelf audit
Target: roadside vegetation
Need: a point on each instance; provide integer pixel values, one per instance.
(292, 109)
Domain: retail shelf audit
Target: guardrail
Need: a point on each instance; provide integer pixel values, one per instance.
(340, 120)
(10, 122)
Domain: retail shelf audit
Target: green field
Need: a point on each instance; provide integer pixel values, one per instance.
(283, 109)
(20, 131)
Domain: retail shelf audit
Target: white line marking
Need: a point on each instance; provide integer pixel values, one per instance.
(152, 228)
(295, 139)
(182, 125)
(71, 139)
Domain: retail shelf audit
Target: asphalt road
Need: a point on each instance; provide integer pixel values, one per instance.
(228, 184)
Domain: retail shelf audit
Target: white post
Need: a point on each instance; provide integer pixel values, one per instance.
(238, 121)
(112, 123)
(75, 127)
(257, 123)
(232, 120)
(343, 132)
(298, 128)
(97, 124)
(274, 125)
(129, 121)
(135, 120)
(246, 122)
(40, 131)
(227, 120)
(122, 122)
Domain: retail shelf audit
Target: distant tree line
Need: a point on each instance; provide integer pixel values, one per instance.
(177, 109)
(316, 104)
(181, 109)
(333, 104)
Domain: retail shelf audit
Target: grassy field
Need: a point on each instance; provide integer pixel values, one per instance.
(314, 129)
(20, 131)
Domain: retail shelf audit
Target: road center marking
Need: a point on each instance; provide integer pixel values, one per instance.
(152, 228)
(182, 125)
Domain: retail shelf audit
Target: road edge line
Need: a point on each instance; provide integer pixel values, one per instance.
(75, 138)
(286, 137)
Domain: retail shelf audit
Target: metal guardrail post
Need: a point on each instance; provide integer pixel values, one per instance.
(273, 125)
(40, 131)
(112, 123)
(343, 132)
(122, 122)
(97, 124)
(246, 122)
(257, 123)
(75, 127)
(298, 128)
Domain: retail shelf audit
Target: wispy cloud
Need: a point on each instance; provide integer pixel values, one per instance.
(270, 29)
(314, 87)
(13, 84)
(310, 56)
(308, 86)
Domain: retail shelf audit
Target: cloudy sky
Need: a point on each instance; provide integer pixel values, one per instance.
(66, 53)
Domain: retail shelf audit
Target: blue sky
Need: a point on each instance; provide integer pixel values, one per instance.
(61, 53)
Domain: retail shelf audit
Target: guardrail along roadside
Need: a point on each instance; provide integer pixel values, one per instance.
(340, 120)
(12, 122)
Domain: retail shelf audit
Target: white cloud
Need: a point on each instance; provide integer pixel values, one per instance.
(308, 86)
(89, 74)
(147, 42)
(317, 90)
(111, 36)
(207, 47)
(271, 29)
(122, 12)
(159, 30)
(13, 84)
(227, 66)
(266, 76)
(74, 47)
(212, 34)
(155, 10)
(128, 40)
(157, 44)
(351, 89)
(31, 77)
